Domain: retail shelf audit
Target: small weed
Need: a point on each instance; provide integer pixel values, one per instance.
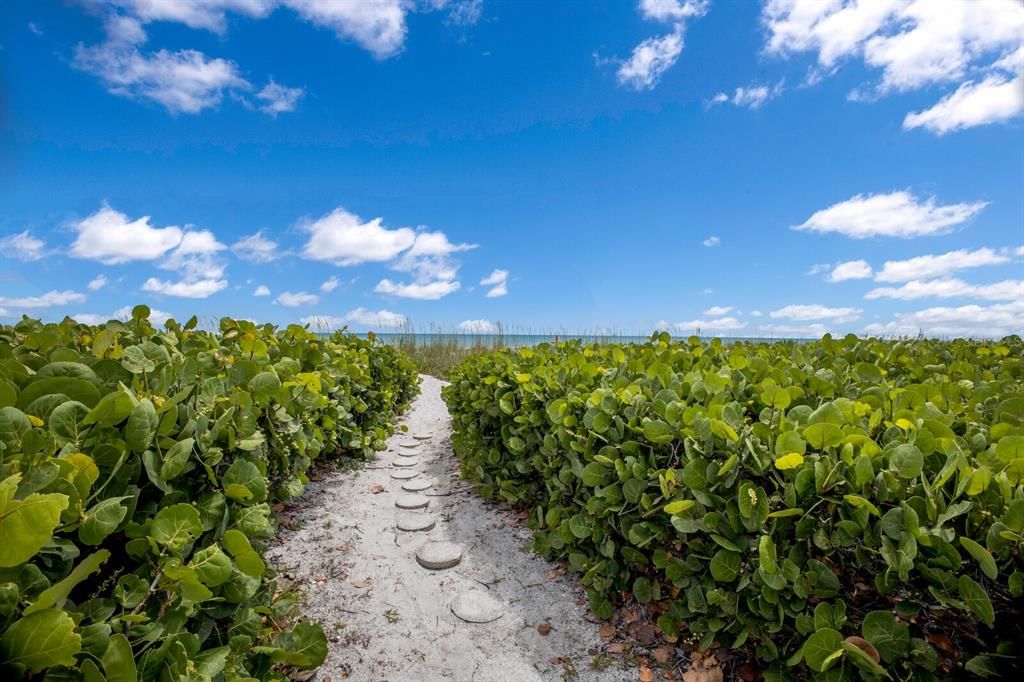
(392, 616)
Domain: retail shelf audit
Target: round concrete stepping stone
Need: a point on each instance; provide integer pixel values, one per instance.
(407, 454)
(416, 521)
(412, 501)
(476, 606)
(422, 436)
(407, 461)
(404, 474)
(417, 486)
(439, 555)
(413, 444)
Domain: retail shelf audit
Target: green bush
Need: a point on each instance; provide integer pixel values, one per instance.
(837, 505)
(137, 472)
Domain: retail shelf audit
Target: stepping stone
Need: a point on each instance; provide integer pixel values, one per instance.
(414, 444)
(407, 454)
(476, 606)
(415, 521)
(417, 486)
(412, 501)
(404, 474)
(422, 436)
(439, 555)
(406, 461)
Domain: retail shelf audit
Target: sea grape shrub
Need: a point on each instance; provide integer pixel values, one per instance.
(838, 508)
(138, 469)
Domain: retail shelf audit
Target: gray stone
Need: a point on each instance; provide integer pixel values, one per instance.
(410, 444)
(439, 555)
(406, 461)
(417, 486)
(404, 474)
(411, 501)
(407, 454)
(422, 436)
(415, 521)
(476, 606)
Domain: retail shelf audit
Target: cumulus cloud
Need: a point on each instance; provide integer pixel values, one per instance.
(262, 290)
(656, 55)
(498, 283)
(22, 246)
(897, 214)
(751, 96)
(720, 324)
(802, 331)
(814, 311)
(109, 237)
(712, 241)
(330, 284)
(479, 327)
(998, 319)
(255, 248)
(200, 288)
(47, 300)
(1007, 290)
(851, 269)
(97, 283)
(369, 318)
(275, 98)
(718, 310)
(429, 258)
(924, 267)
(428, 291)
(297, 299)
(124, 314)
(342, 238)
(915, 44)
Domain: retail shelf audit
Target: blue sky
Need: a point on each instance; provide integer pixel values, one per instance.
(779, 168)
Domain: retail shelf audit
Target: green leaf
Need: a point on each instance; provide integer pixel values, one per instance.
(976, 600)
(982, 556)
(791, 460)
(56, 594)
(767, 554)
(823, 435)
(118, 661)
(102, 519)
(175, 526)
(305, 646)
(41, 640)
(176, 459)
(907, 460)
(112, 409)
(658, 431)
(594, 474)
(211, 565)
(244, 483)
(142, 425)
(819, 648)
(725, 566)
(26, 525)
(679, 506)
(885, 633)
(642, 590)
(983, 666)
(65, 422)
(247, 560)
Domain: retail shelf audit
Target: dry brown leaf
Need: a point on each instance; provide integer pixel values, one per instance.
(607, 632)
(646, 675)
(544, 629)
(365, 582)
(377, 489)
(616, 647)
(703, 675)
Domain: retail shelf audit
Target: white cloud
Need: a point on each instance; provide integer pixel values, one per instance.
(330, 284)
(342, 238)
(721, 324)
(428, 291)
(200, 14)
(999, 319)
(650, 60)
(297, 299)
(97, 283)
(819, 268)
(498, 281)
(993, 100)
(479, 327)
(375, 25)
(185, 81)
(255, 248)
(672, 10)
(712, 241)
(109, 237)
(751, 96)
(157, 317)
(22, 246)
(361, 316)
(49, 299)
(897, 214)
(756, 313)
(277, 98)
(196, 256)
(816, 312)
(429, 258)
(851, 269)
(924, 267)
(1019, 251)
(718, 311)
(915, 43)
(199, 288)
(1007, 290)
(261, 290)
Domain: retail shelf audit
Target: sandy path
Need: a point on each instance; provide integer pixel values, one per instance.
(387, 618)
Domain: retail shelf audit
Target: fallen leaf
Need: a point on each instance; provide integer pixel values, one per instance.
(377, 489)
(365, 582)
(865, 646)
(662, 654)
(941, 642)
(616, 647)
(555, 660)
(607, 632)
(343, 548)
(646, 675)
(320, 578)
(749, 672)
(647, 633)
(544, 629)
(703, 675)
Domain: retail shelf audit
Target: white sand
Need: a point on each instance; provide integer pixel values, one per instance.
(388, 618)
